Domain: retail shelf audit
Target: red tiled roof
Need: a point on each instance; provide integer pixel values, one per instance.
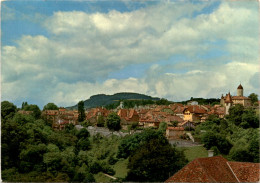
(240, 98)
(228, 98)
(216, 169)
(246, 172)
(195, 109)
(240, 87)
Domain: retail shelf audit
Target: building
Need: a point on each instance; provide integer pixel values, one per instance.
(217, 169)
(193, 113)
(229, 101)
(174, 132)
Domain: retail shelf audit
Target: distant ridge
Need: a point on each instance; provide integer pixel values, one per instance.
(103, 99)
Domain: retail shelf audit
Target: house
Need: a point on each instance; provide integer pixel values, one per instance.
(193, 113)
(128, 116)
(217, 169)
(174, 132)
(93, 114)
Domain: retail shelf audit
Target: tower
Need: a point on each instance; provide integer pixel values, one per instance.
(240, 91)
(228, 103)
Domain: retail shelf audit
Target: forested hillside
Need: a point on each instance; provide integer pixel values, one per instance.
(103, 100)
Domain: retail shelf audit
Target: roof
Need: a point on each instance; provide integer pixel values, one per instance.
(240, 87)
(216, 169)
(195, 109)
(240, 98)
(228, 98)
(246, 172)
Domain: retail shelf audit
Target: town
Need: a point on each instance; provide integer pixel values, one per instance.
(208, 136)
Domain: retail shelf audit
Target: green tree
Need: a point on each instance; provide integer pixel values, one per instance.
(36, 110)
(82, 133)
(154, 162)
(210, 139)
(8, 109)
(235, 114)
(100, 121)
(249, 119)
(113, 122)
(253, 97)
(129, 144)
(50, 106)
(81, 111)
(162, 127)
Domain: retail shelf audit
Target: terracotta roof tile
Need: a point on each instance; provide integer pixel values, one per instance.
(217, 169)
(246, 172)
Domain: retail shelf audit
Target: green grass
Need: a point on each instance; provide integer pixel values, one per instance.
(121, 168)
(192, 153)
(100, 177)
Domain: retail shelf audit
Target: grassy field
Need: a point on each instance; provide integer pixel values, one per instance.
(192, 153)
(121, 168)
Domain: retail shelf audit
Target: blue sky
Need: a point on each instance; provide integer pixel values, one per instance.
(66, 51)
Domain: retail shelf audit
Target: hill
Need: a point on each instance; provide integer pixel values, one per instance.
(103, 100)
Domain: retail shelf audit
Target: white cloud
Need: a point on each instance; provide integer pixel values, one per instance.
(83, 49)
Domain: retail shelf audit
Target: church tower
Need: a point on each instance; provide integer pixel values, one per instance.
(240, 91)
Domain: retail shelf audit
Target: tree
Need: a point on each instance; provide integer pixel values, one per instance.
(100, 121)
(253, 97)
(81, 111)
(8, 109)
(162, 127)
(235, 114)
(83, 133)
(154, 162)
(211, 139)
(249, 119)
(35, 109)
(130, 144)
(50, 106)
(113, 122)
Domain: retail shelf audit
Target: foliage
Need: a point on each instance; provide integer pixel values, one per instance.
(81, 111)
(113, 122)
(8, 109)
(245, 118)
(130, 144)
(203, 101)
(162, 127)
(50, 106)
(209, 139)
(154, 161)
(36, 110)
(253, 97)
(82, 133)
(100, 121)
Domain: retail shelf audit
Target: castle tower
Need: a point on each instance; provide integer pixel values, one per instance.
(228, 103)
(240, 91)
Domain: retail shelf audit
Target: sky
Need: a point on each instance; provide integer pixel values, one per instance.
(66, 51)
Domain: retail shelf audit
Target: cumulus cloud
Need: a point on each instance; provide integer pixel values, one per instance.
(84, 48)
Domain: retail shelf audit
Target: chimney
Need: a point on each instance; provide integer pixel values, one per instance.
(210, 153)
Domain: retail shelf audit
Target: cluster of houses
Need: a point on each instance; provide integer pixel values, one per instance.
(177, 116)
